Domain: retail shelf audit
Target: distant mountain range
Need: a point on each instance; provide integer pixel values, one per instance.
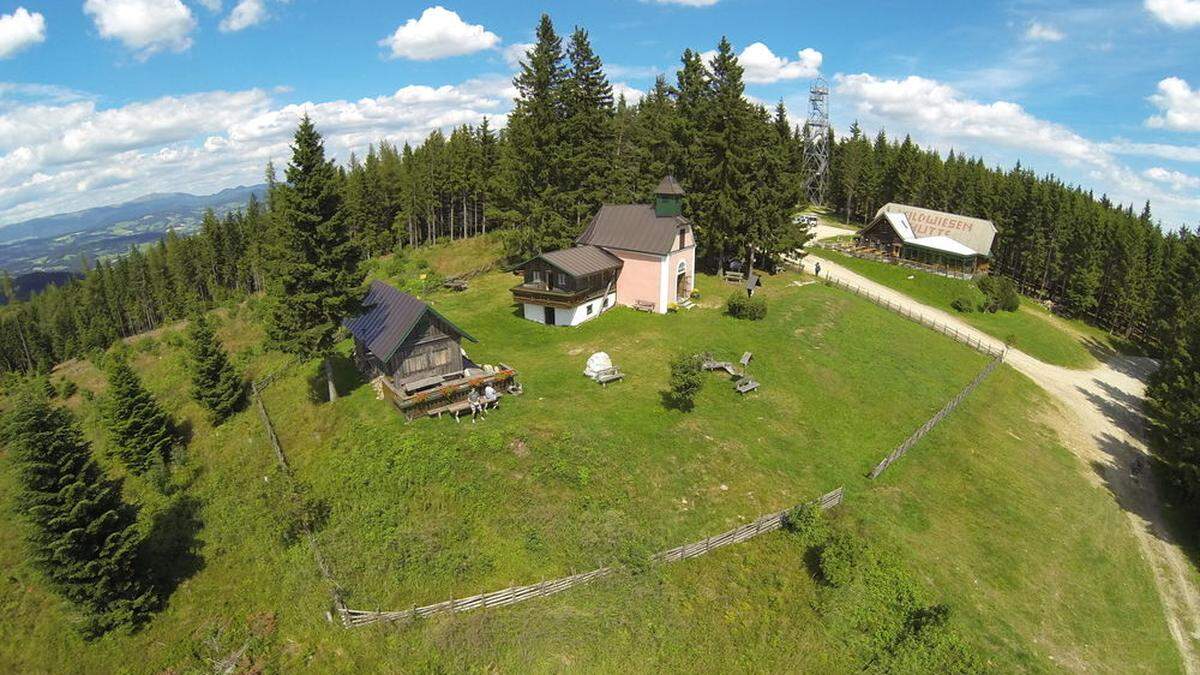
(56, 243)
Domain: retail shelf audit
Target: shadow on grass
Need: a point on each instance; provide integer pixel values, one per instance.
(672, 402)
(346, 379)
(171, 552)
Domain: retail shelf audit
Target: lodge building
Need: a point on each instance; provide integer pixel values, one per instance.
(942, 240)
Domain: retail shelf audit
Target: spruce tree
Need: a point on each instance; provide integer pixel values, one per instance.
(315, 277)
(588, 139)
(215, 383)
(139, 430)
(83, 535)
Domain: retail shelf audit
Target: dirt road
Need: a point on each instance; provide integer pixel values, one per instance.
(1106, 429)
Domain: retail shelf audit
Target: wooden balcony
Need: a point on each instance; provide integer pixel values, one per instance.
(538, 294)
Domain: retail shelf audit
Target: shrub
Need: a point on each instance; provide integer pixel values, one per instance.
(686, 380)
(1000, 294)
(741, 307)
(842, 557)
(964, 304)
(808, 523)
(66, 388)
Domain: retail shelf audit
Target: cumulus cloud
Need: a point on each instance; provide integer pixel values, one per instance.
(632, 94)
(762, 66)
(1040, 32)
(68, 153)
(515, 53)
(19, 30)
(939, 114)
(245, 14)
(1175, 13)
(210, 5)
(1178, 153)
(1179, 106)
(439, 33)
(1176, 179)
(143, 26)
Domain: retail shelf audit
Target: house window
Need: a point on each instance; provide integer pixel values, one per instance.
(682, 238)
(536, 276)
(589, 309)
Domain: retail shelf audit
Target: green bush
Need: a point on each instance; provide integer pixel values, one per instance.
(808, 523)
(686, 380)
(964, 304)
(1000, 294)
(842, 557)
(741, 307)
(66, 388)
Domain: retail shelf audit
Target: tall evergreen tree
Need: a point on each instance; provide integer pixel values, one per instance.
(588, 138)
(215, 383)
(315, 276)
(139, 430)
(83, 535)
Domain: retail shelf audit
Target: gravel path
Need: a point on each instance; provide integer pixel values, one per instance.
(1105, 427)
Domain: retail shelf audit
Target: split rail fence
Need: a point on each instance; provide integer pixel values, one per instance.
(256, 389)
(932, 422)
(353, 618)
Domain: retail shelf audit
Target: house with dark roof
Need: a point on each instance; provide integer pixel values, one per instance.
(403, 339)
(638, 255)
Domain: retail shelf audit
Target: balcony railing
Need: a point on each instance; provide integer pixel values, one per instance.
(538, 294)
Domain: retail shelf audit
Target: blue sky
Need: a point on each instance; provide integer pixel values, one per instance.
(104, 100)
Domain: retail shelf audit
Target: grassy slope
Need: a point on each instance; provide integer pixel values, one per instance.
(1032, 329)
(1036, 563)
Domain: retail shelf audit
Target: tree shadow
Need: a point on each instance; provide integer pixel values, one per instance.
(346, 378)
(1122, 409)
(1127, 359)
(171, 552)
(672, 402)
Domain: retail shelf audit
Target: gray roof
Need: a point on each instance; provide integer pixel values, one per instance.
(670, 187)
(581, 261)
(632, 227)
(976, 234)
(390, 317)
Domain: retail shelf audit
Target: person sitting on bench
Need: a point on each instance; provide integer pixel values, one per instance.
(490, 398)
(476, 404)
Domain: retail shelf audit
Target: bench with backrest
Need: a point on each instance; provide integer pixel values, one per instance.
(734, 277)
(643, 305)
(455, 284)
(746, 359)
(609, 375)
(746, 384)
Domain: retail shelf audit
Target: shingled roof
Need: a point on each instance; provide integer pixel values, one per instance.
(632, 227)
(390, 317)
(579, 261)
(670, 187)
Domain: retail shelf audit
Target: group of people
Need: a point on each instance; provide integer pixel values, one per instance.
(481, 400)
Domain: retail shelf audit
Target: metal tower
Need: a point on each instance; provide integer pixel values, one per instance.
(816, 142)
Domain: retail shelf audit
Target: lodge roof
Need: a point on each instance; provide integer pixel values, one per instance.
(390, 317)
(670, 187)
(976, 234)
(900, 223)
(632, 227)
(579, 261)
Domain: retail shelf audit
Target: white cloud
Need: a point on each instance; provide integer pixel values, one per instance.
(515, 53)
(1176, 179)
(144, 26)
(245, 14)
(61, 154)
(1178, 153)
(632, 94)
(762, 66)
(19, 30)
(938, 114)
(439, 33)
(1179, 105)
(210, 5)
(1040, 32)
(1175, 13)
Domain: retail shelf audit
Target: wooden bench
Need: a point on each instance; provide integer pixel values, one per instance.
(734, 277)
(455, 284)
(746, 359)
(746, 384)
(609, 375)
(643, 305)
(456, 409)
(720, 365)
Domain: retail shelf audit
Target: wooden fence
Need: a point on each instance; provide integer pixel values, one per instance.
(256, 389)
(965, 337)
(933, 421)
(353, 618)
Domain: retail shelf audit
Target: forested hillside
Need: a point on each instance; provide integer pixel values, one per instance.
(569, 146)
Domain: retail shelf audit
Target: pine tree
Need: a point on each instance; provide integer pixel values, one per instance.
(139, 430)
(315, 277)
(215, 383)
(588, 138)
(83, 535)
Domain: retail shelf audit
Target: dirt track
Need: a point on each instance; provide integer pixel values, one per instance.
(1104, 426)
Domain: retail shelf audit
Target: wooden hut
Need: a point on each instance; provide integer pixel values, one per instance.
(403, 339)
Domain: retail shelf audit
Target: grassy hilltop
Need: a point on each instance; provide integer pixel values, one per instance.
(989, 514)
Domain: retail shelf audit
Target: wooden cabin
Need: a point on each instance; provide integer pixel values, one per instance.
(403, 339)
(568, 287)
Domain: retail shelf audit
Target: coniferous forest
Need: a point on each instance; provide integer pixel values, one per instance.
(571, 145)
